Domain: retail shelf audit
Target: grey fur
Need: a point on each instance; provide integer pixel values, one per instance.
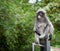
(43, 26)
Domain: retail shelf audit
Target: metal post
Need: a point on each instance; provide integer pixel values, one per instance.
(46, 46)
(33, 46)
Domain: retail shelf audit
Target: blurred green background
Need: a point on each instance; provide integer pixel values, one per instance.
(17, 19)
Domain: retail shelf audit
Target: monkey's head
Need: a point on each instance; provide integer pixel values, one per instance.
(41, 13)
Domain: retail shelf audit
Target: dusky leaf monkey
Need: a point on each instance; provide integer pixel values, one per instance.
(43, 27)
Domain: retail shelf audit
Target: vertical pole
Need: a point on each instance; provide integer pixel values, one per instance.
(42, 42)
(46, 44)
(33, 46)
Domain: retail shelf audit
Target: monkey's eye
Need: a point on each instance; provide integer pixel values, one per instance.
(41, 14)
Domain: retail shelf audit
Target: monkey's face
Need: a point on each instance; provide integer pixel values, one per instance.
(40, 14)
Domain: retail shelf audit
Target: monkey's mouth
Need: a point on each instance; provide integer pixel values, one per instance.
(39, 16)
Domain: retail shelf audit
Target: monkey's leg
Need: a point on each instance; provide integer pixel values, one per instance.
(42, 36)
(36, 38)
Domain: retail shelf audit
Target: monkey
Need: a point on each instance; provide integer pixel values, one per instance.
(43, 27)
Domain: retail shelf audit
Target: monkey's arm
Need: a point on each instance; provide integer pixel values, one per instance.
(35, 25)
(51, 28)
(51, 31)
(35, 29)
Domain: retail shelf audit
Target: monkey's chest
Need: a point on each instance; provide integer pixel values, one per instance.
(40, 27)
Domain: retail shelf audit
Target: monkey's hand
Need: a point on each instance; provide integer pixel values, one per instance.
(37, 33)
(50, 36)
(44, 36)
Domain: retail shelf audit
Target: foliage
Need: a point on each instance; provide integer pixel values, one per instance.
(17, 20)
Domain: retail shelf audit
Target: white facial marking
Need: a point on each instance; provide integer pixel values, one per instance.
(39, 17)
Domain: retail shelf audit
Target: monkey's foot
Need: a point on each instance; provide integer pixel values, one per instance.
(42, 36)
(37, 44)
